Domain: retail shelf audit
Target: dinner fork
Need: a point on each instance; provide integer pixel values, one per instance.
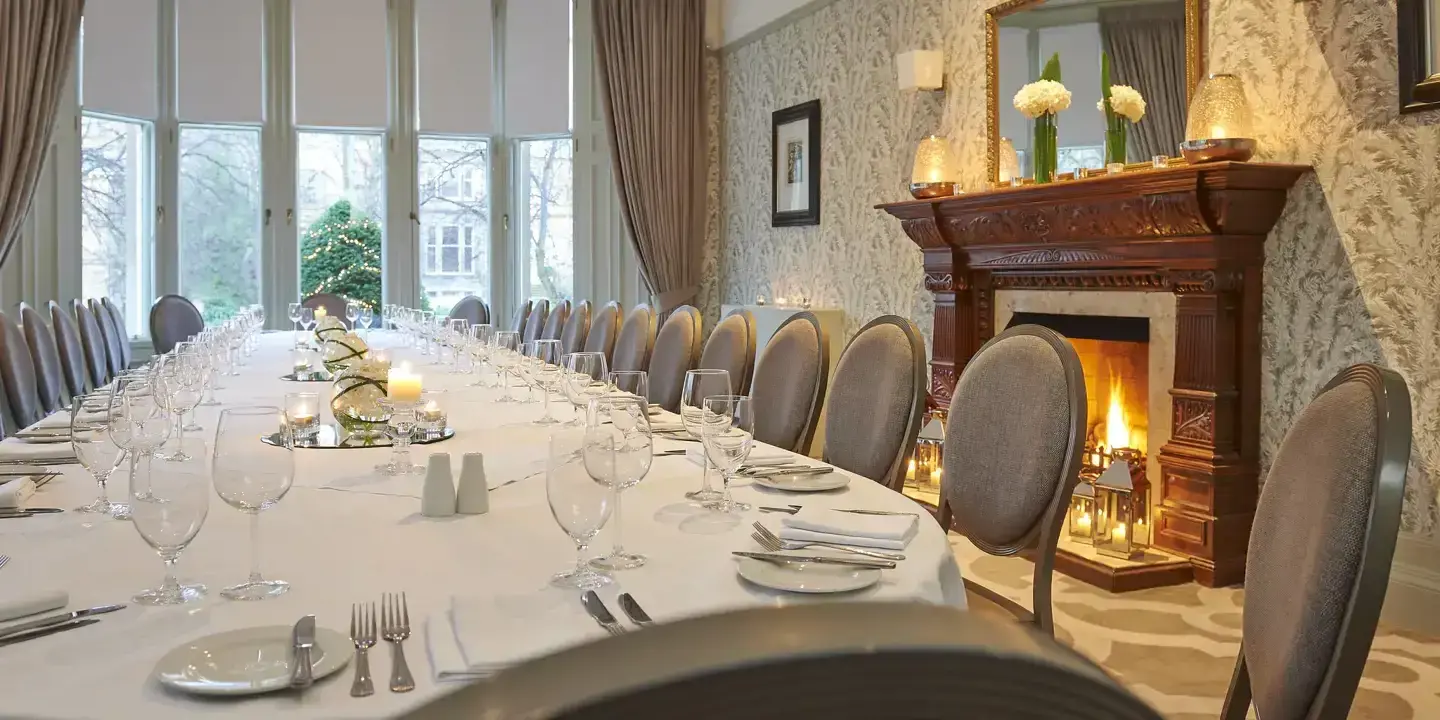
(362, 633)
(773, 543)
(395, 628)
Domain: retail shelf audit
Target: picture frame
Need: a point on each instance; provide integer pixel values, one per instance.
(795, 165)
(1419, 60)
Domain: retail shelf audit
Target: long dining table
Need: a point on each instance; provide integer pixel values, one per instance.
(345, 534)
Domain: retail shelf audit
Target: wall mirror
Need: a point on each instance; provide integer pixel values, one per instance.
(1155, 46)
(1417, 25)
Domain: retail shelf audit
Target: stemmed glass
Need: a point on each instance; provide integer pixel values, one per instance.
(544, 371)
(307, 321)
(177, 381)
(728, 431)
(168, 514)
(634, 382)
(618, 431)
(478, 347)
(427, 331)
(579, 505)
(199, 363)
(581, 381)
(138, 424)
(96, 451)
(400, 428)
(367, 318)
(505, 353)
(352, 312)
(252, 476)
(701, 384)
(455, 332)
(294, 314)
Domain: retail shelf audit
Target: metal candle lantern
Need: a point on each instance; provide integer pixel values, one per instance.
(926, 465)
(1114, 491)
(1082, 513)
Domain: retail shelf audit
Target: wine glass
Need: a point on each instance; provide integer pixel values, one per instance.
(252, 476)
(544, 371)
(352, 312)
(427, 330)
(178, 380)
(581, 380)
(294, 314)
(728, 431)
(307, 321)
(634, 382)
(504, 353)
(96, 451)
(701, 384)
(168, 514)
(456, 330)
(618, 454)
(138, 424)
(579, 505)
(478, 347)
(367, 318)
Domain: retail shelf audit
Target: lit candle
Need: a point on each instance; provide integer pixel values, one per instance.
(431, 412)
(1118, 534)
(910, 472)
(320, 312)
(1082, 523)
(404, 386)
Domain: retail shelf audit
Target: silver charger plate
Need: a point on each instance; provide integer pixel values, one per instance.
(334, 437)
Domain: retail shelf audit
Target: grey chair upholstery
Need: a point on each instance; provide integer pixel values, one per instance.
(731, 347)
(1013, 447)
(174, 319)
(636, 340)
(604, 330)
(471, 308)
(1320, 550)
(334, 305)
(522, 315)
(555, 323)
(677, 347)
(535, 323)
(72, 350)
(49, 377)
(790, 380)
(577, 327)
(114, 357)
(877, 398)
(18, 369)
(121, 331)
(840, 661)
(93, 341)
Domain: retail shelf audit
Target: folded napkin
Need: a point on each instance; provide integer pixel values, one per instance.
(497, 632)
(14, 449)
(663, 425)
(19, 604)
(758, 457)
(15, 492)
(447, 663)
(889, 532)
(62, 419)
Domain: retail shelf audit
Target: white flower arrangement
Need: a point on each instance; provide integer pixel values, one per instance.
(1042, 97)
(1126, 101)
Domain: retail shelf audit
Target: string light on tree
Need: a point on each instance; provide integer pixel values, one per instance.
(340, 254)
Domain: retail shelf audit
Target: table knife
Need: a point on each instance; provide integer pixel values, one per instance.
(633, 610)
(47, 630)
(30, 625)
(303, 638)
(596, 607)
(817, 560)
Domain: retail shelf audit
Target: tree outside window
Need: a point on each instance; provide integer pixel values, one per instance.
(454, 219)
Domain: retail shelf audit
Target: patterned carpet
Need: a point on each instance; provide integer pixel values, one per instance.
(1176, 646)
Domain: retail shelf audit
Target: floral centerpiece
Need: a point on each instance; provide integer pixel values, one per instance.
(1041, 101)
(356, 394)
(1119, 103)
(343, 350)
(328, 327)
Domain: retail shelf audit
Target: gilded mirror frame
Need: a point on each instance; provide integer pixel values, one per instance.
(1195, 12)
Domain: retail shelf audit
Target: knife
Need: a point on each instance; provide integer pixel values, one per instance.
(817, 560)
(633, 610)
(303, 637)
(30, 625)
(596, 607)
(47, 630)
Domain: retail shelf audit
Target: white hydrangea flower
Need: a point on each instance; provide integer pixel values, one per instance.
(1041, 97)
(1126, 101)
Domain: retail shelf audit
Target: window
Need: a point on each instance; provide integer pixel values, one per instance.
(1070, 159)
(220, 229)
(341, 194)
(115, 191)
(547, 198)
(454, 219)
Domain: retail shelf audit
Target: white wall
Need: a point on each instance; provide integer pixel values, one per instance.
(740, 18)
(1079, 48)
(1016, 69)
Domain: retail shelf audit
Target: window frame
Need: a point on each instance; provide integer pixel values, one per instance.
(467, 243)
(147, 212)
(260, 219)
(519, 208)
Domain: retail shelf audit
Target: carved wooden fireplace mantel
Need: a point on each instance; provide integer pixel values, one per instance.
(1197, 231)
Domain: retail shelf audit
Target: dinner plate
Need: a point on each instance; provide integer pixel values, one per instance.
(802, 482)
(249, 661)
(807, 577)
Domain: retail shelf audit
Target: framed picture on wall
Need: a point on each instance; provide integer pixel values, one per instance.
(795, 165)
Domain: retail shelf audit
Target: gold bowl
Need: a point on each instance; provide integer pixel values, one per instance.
(1203, 151)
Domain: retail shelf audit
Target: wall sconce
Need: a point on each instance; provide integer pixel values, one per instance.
(921, 70)
(934, 173)
(1220, 126)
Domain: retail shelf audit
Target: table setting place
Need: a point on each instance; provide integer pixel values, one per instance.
(509, 499)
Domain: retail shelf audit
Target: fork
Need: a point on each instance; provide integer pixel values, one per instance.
(771, 542)
(362, 633)
(4, 559)
(395, 628)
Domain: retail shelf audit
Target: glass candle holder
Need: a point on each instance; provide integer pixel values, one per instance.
(300, 359)
(430, 413)
(1115, 168)
(302, 414)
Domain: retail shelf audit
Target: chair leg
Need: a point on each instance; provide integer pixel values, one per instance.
(1010, 606)
(1237, 698)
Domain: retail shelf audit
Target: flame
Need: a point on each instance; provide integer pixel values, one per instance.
(1117, 425)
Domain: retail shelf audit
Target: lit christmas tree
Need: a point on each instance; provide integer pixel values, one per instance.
(340, 254)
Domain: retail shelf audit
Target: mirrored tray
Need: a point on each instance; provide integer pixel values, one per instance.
(317, 376)
(334, 437)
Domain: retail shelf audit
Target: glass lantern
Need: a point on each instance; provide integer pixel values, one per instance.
(927, 464)
(1081, 522)
(1114, 500)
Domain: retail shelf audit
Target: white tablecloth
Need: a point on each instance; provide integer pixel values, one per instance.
(340, 546)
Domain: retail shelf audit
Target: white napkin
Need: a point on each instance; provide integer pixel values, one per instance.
(659, 423)
(14, 449)
(497, 632)
(447, 663)
(15, 492)
(758, 456)
(889, 532)
(62, 419)
(19, 604)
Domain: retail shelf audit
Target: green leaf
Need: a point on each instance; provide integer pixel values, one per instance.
(1052, 69)
(1105, 90)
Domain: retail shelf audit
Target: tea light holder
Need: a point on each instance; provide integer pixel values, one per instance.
(430, 412)
(1115, 168)
(302, 414)
(1160, 162)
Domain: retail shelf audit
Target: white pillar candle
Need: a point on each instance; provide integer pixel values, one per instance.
(403, 385)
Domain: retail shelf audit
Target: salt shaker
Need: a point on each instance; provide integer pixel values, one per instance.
(474, 498)
(438, 498)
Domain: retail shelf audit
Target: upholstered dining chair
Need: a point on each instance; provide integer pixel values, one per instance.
(114, 358)
(96, 348)
(790, 381)
(471, 308)
(731, 347)
(334, 305)
(555, 322)
(573, 337)
(877, 398)
(604, 329)
(522, 315)
(49, 377)
(1320, 550)
(117, 319)
(21, 385)
(846, 661)
(636, 340)
(677, 347)
(1013, 447)
(173, 319)
(535, 321)
(72, 350)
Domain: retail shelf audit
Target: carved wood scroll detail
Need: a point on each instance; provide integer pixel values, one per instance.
(1163, 215)
(1194, 420)
(924, 232)
(1087, 281)
(940, 282)
(942, 384)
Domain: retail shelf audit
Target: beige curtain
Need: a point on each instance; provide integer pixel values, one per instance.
(38, 39)
(652, 78)
(1146, 45)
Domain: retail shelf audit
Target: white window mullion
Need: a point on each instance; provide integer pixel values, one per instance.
(167, 172)
(402, 247)
(279, 249)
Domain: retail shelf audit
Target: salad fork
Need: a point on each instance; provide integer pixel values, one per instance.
(362, 633)
(395, 628)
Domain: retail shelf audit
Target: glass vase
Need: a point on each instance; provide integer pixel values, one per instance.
(1115, 144)
(1045, 148)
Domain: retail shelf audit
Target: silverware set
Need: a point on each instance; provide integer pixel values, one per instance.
(786, 469)
(792, 509)
(779, 559)
(392, 626)
(770, 541)
(8, 513)
(602, 615)
(41, 627)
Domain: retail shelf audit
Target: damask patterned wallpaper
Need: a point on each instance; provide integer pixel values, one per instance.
(1353, 267)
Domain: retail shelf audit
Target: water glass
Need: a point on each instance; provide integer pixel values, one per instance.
(504, 353)
(700, 384)
(634, 382)
(478, 345)
(579, 505)
(139, 424)
(728, 432)
(294, 315)
(618, 453)
(177, 382)
(168, 514)
(90, 417)
(544, 372)
(251, 477)
(581, 380)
